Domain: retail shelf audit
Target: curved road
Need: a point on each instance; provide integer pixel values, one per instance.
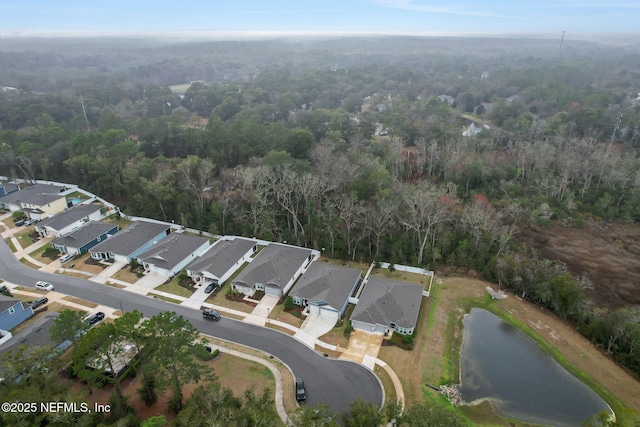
(331, 381)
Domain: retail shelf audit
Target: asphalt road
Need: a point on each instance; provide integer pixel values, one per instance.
(330, 381)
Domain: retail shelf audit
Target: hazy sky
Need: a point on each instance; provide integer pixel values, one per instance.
(377, 16)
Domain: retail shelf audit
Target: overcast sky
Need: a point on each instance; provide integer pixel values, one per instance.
(314, 16)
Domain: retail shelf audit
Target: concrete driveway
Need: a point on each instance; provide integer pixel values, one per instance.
(363, 348)
(314, 326)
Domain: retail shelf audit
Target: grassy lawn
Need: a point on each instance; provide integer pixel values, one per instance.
(167, 299)
(29, 263)
(278, 313)
(389, 390)
(126, 276)
(37, 254)
(351, 264)
(174, 288)
(180, 89)
(401, 275)
(23, 237)
(80, 301)
(119, 221)
(11, 245)
(221, 300)
(85, 263)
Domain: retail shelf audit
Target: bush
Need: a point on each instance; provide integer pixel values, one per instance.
(132, 372)
(4, 291)
(201, 352)
(348, 330)
(288, 303)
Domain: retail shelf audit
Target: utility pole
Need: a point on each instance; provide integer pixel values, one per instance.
(561, 40)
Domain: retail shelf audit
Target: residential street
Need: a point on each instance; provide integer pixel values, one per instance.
(331, 381)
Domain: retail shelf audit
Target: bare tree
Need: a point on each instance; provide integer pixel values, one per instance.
(196, 177)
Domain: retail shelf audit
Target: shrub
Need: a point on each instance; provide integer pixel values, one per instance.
(133, 372)
(348, 330)
(147, 390)
(201, 352)
(288, 303)
(4, 291)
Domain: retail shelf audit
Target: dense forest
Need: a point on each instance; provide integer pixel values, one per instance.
(435, 152)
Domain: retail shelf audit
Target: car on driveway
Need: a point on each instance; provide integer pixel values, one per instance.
(95, 318)
(208, 313)
(40, 301)
(19, 223)
(210, 288)
(44, 286)
(301, 393)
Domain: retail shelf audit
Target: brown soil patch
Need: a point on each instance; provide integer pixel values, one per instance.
(608, 253)
(434, 355)
(80, 301)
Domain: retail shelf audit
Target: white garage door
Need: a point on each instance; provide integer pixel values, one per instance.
(314, 309)
(331, 314)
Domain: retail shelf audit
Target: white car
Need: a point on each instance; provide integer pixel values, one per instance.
(44, 286)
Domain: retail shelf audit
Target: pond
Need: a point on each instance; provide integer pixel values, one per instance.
(503, 365)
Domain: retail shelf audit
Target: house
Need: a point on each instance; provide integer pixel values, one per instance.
(39, 201)
(273, 270)
(387, 305)
(221, 261)
(116, 360)
(326, 289)
(8, 189)
(130, 242)
(13, 312)
(173, 254)
(446, 99)
(69, 220)
(83, 238)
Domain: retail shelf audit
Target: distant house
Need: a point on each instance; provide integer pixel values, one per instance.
(446, 99)
(13, 312)
(130, 242)
(117, 360)
(273, 270)
(70, 219)
(221, 261)
(39, 201)
(326, 289)
(172, 254)
(80, 240)
(387, 305)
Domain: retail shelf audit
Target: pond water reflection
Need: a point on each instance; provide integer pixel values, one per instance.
(500, 363)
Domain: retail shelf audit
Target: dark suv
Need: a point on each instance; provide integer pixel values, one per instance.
(40, 301)
(208, 313)
(301, 393)
(95, 318)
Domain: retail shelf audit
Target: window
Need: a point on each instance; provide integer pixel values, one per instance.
(12, 310)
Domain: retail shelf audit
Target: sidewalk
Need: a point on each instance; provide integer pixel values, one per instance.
(312, 328)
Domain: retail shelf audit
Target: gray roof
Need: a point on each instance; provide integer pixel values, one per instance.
(7, 302)
(323, 282)
(384, 301)
(38, 194)
(131, 238)
(275, 265)
(37, 334)
(69, 216)
(172, 250)
(223, 255)
(85, 234)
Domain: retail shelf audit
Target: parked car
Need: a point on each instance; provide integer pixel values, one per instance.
(210, 288)
(44, 286)
(66, 257)
(29, 222)
(95, 318)
(301, 393)
(40, 301)
(208, 313)
(19, 223)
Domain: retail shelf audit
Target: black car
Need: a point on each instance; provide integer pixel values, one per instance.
(95, 318)
(301, 393)
(210, 288)
(207, 313)
(40, 301)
